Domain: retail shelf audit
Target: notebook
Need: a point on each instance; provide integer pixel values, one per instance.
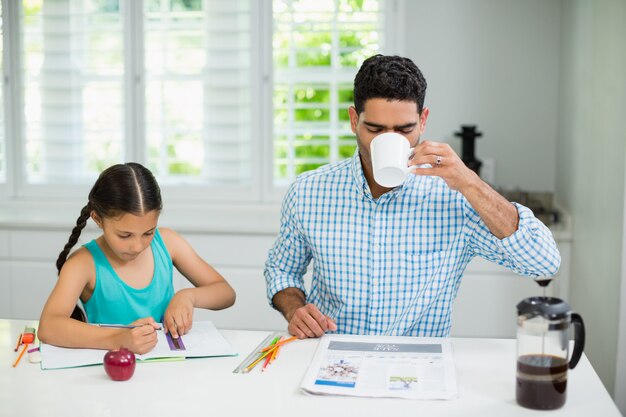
(203, 340)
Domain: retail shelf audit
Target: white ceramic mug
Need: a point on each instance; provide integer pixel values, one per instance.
(390, 153)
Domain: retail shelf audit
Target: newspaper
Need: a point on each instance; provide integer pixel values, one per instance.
(382, 366)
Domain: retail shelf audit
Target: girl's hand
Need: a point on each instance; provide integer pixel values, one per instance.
(143, 338)
(178, 317)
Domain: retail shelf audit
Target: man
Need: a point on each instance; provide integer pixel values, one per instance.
(390, 261)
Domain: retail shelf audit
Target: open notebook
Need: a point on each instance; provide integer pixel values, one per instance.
(203, 340)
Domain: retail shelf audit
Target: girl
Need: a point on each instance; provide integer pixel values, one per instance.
(125, 275)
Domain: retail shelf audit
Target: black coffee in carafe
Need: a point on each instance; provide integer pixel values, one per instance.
(543, 333)
(541, 381)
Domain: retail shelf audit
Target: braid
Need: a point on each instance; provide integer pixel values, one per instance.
(78, 313)
(80, 225)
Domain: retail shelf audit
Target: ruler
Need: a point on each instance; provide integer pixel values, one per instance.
(255, 354)
(175, 344)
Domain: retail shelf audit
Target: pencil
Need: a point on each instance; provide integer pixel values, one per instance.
(20, 356)
(282, 342)
(269, 357)
(274, 354)
(253, 364)
(17, 346)
(122, 326)
(267, 360)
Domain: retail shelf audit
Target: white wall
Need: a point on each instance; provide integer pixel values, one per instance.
(494, 63)
(544, 81)
(590, 166)
(620, 370)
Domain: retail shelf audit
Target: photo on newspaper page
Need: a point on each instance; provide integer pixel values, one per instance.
(382, 366)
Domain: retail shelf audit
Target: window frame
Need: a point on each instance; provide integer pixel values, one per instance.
(394, 28)
(261, 189)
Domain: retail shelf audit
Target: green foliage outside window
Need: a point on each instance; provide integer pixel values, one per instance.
(312, 39)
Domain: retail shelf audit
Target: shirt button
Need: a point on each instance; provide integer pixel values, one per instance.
(375, 282)
(377, 246)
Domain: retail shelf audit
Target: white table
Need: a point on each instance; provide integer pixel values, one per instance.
(208, 387)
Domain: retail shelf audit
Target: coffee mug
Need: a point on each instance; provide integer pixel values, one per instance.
(390, 153)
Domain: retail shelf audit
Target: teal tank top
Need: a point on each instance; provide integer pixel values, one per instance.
(115, 302)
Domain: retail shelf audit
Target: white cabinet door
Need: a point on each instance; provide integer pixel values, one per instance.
(251, 310)
(31, 283)
(486, 303)
(6, 301)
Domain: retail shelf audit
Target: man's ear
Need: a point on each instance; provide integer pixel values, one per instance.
(354, 118)
(423, 117)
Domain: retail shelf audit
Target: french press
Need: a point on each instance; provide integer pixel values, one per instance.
(544, 325)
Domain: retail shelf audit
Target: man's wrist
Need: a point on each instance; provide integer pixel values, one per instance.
(288, 301)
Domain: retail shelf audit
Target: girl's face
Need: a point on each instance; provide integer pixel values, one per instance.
(128, 235)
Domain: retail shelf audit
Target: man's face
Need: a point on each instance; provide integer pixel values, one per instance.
(381, 116)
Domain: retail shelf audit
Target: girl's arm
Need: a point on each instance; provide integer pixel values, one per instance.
(56, 327)
(211, 289)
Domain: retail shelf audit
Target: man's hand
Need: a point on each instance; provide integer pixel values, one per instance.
(305, 320)
(445, 164)
(500, 216)
(308, 321)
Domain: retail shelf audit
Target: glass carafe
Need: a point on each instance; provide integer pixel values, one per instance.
(544, 326)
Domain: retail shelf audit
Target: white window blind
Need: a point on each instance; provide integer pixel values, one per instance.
(73, 89)
(162, 82)
(318, 47)
(198, 105)
(3, 153)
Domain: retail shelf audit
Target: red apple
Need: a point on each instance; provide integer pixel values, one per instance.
(119, 364)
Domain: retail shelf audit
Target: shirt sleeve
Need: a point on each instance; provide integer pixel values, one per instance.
(530, 250)
(289, 257)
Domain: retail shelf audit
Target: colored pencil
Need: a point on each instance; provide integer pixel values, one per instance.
(274, 354)
(269, 351)
(267, 361)
(269, 357)
(253, 364)
(282, 342)
(20, 356)
(19, 340)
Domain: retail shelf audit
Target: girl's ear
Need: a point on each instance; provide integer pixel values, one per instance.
(96, 219)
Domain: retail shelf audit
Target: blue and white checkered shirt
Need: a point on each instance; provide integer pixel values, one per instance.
(391, 265)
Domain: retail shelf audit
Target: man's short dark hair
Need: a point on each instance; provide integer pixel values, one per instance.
(389, 77)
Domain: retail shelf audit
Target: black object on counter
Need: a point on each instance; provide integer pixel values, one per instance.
(468, 135)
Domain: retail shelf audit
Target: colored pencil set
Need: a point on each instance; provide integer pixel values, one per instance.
(269, 353)
(25, 338)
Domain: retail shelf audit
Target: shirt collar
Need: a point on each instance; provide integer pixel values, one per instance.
(363, 186)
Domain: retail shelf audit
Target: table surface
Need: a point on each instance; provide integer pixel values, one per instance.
(485, 371)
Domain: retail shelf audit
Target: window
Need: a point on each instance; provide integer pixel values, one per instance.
(219, 98)
(73, 89)
(317, 49)
(198, 101)
(3, 165)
